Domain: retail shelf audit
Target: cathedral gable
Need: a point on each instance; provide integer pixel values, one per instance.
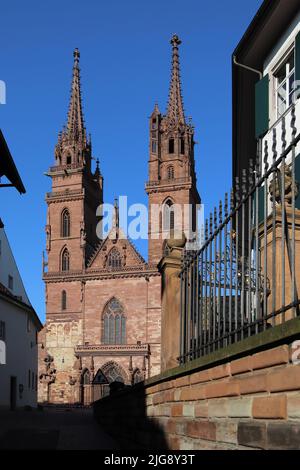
(116, 255)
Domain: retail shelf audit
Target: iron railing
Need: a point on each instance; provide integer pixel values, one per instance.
(245, 279)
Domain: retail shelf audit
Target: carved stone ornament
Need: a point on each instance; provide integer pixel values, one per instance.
(49, 374)
(275, 187)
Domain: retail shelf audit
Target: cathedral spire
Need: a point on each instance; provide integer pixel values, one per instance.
(75, 125)
(175, 110)
(73, 146)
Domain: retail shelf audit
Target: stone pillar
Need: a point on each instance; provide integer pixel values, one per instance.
(274, 254)
(170, 267)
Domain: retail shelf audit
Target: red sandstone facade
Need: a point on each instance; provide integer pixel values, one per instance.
(103, 300)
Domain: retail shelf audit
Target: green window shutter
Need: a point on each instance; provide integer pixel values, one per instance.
(262, 107)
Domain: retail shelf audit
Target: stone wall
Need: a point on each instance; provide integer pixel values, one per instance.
(249, 400)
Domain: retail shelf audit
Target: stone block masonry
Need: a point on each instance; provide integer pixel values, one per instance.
(251, 402)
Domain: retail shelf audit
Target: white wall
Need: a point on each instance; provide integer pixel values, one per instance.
(21, 355)
(270, 66)
(8, 267)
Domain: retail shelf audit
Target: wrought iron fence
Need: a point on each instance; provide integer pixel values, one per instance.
(245, 277)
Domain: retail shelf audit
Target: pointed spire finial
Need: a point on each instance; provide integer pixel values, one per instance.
(175, 41)
(175, 110)
(115, 221)
(97, 171)
(76, 55)
(75, 125)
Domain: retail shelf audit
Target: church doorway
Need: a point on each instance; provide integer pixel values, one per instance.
(93, 389)
(100, 386)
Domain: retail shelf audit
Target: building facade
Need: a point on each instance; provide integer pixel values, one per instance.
(266, 84)
(19, 327)
(266, 74)
(103, 300)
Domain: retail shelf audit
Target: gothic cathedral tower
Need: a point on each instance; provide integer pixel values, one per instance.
(76, 190)
(172, 178)
(76, 193)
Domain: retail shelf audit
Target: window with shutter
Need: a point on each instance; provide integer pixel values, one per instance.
(262, 107)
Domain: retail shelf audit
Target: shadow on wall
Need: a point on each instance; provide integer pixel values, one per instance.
(123, 415)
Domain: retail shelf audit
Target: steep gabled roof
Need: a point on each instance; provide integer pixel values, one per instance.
(129, 255)
(7, 295)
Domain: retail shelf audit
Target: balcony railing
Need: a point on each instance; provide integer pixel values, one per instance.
(65, 193)
(57, 168)
(245, 278)
(112, 350)
(168, 182)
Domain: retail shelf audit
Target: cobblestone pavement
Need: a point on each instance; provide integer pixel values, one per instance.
(65, 429)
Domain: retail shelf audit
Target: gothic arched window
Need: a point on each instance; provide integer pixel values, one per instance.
(170, 172)
(65, 223)
(65, 260)
(114, 259)
(168, 216)
(86, 380)
(114, 323)
(171, 145)
(113, 372)
(63, 300)
(182, 145)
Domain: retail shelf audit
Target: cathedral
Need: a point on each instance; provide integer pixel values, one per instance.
(103, 300)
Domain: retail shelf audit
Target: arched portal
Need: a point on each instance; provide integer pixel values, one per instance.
(114, 372)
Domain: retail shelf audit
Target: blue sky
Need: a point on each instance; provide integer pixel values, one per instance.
(125, 69)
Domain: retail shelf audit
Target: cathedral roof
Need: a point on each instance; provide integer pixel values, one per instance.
(116, 252)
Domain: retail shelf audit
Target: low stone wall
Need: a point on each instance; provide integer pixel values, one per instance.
(252, 402)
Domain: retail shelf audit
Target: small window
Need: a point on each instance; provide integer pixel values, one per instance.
(154, 146)
(171, 146)
(29, 378)
(10, 282)
(285, 79)
(170, 172)
(168, 216)
(182, 146)
(69, 160)
(63, 300)
(65, 260)
(2, 330)
(154, 123)
(114, 259)
(65, 223)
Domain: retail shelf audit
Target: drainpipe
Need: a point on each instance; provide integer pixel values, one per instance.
(247, 67)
